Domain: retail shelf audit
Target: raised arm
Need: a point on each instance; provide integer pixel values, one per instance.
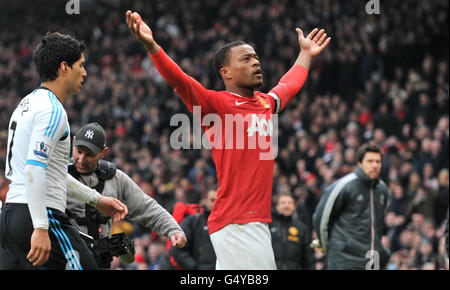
(141, 31)
(311, 46)
(191, 91)
(291, 83)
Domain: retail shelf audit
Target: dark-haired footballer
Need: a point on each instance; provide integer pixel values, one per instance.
(34, 230)
(238, 224)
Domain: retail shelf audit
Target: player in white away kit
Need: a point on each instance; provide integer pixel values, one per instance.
(34, 231)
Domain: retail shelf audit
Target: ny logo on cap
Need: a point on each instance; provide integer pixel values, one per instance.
(89, 134)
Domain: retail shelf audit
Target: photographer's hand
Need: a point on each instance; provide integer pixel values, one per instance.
(112, 207)
(178, 240)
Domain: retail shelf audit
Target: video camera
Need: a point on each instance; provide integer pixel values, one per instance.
(104, 249)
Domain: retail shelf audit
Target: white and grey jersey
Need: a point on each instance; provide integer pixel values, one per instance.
(141, 207)
(39, 135)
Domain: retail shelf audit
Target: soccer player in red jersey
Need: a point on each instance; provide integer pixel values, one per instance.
(238, 224)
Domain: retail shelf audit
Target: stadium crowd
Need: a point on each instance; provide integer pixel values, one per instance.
(383, 78)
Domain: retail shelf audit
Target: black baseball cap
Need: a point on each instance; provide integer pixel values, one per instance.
(93, 136)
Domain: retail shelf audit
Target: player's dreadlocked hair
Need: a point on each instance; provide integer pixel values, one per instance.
(221, 56)
(53, 49)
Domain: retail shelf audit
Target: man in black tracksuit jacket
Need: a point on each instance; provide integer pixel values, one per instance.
(198, 254)
(291, 238)
(349, 218)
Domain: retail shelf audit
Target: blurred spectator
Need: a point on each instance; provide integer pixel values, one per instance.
(440, 207)
(446, 234)
(291, 238)
(155, 254)
(198, 254)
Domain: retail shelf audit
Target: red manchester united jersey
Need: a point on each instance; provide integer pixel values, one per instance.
(242, 136)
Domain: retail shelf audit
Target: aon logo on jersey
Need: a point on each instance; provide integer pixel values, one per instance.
(261, 125)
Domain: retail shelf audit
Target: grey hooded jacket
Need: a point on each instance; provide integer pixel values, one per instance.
(141, 208)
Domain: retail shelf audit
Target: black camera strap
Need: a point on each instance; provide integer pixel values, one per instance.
(93, 218)
(93, 215)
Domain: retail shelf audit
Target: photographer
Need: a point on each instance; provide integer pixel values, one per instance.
(89, 147)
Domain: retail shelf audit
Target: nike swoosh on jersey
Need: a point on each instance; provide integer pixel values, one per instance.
(240, 103)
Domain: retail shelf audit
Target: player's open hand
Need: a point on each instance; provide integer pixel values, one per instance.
(314, 43)
(112, 207)
(140, 30)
